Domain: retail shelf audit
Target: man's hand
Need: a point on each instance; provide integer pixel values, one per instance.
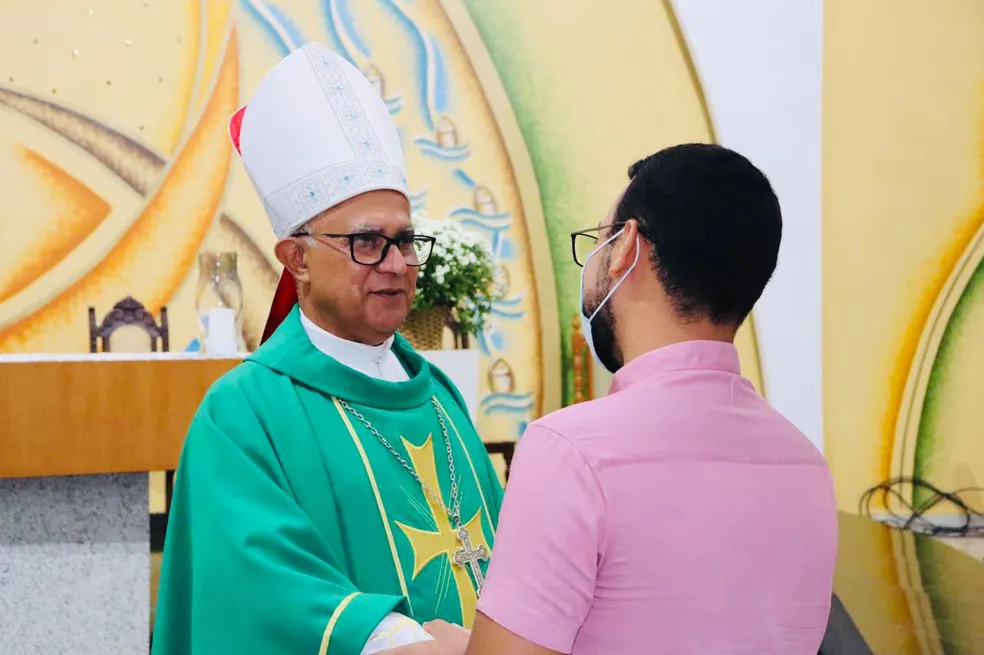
(453, 639)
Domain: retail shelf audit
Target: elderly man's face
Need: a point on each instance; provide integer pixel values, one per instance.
(364, 303)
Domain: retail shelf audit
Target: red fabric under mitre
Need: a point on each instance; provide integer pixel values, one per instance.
(284, 299)
(235, 127)
(285, 296)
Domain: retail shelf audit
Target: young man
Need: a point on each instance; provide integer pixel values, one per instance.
(681, 513)
(332, 492)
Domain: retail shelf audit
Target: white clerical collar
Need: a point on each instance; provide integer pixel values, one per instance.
(375, 361)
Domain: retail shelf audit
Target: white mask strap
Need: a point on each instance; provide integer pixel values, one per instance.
(621, 279)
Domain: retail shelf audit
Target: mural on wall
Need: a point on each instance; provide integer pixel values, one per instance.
(903, 246)
(116, 168)
(128, 177)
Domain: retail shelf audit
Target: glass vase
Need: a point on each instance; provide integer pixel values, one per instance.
(219, 303)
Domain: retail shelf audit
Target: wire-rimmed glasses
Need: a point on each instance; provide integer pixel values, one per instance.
(584, 242)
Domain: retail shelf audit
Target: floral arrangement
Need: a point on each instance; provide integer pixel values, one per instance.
(459, 276)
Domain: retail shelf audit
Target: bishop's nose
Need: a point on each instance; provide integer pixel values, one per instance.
(394, 263)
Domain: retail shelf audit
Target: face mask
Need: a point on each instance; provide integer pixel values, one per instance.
(607, 357)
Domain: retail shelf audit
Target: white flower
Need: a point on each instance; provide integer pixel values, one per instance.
(462, 258)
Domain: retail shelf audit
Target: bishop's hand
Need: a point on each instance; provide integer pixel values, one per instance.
(420, 648)
(453, 639)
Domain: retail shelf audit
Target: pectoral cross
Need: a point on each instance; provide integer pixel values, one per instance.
(469, 556)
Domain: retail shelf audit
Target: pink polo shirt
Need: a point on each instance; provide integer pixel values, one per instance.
(681, 514)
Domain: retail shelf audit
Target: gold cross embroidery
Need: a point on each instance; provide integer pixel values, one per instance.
(428, 545)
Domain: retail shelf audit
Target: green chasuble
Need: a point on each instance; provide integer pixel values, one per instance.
(293, 530)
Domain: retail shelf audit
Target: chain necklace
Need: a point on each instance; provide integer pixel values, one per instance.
(454, 512)
(467, 555)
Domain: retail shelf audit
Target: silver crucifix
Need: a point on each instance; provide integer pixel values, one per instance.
(470, 556)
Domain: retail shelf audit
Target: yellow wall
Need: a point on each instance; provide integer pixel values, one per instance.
(902, 226)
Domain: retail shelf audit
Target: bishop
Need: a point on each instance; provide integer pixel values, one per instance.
(318, 474)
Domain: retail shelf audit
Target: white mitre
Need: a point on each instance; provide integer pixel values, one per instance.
(316, 133)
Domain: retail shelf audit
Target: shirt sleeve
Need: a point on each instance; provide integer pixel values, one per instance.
(393, 631)
(551, 535)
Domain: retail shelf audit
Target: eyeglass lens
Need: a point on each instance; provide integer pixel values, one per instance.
(583, 245)
(369, 249)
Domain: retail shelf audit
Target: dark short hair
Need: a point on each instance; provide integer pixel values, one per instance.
(715, 225)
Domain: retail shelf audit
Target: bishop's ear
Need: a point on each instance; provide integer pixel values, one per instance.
(291, 253)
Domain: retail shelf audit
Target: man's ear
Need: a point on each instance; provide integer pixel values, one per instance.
(291, 253)
(624, 250)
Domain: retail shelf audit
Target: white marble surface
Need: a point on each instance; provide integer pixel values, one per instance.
(462, 367)
(74, 565)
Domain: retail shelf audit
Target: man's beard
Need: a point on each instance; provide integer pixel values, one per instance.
(603, 328)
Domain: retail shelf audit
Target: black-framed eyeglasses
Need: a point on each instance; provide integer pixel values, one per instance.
(371, 248)
(584, 242)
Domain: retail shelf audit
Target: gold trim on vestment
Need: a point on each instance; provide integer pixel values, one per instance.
(326, 638)
(379, 500)
(481, 494)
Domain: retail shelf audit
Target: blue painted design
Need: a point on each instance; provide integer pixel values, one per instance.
(394, 104)
(418, 200)
(428, 142)
(193, 346)
(483, 345)
(511, 308)
(421, 63)
(498, 341)
(440, 100)
(275, 24)
(507, 314)
(507, 249)
(506, 409)
(468, 212)
(287, 24)
(490, 341)
(507, 403)
(433, 149)
(337, 44)
(443, 155)
(495, 240)
(511, 302)
(464, 177)
(492, 232)
(349, 24)
(496, 397)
